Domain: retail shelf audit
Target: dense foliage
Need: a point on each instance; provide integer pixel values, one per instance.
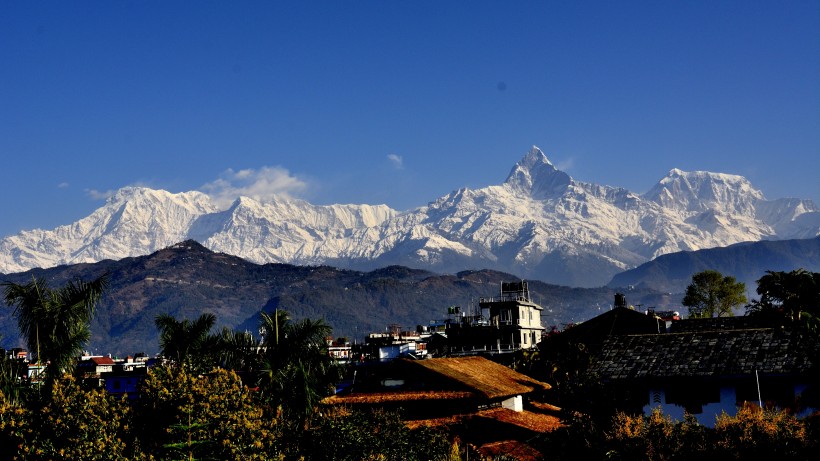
(753, 433)
(184, 416)
(55, 321)
(792, 296)
(711, 294)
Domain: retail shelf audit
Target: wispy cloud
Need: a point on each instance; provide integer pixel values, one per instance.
(396, 160)
(262, 185)
(63, 185)
(99, 195)
(565, 164)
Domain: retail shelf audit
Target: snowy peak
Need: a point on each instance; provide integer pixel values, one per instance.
(535, 176)
(698, 191)
(539, 224)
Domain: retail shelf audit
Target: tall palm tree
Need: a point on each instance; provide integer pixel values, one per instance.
(188, 343)
(237, 350)
(55, 322)
(296, 367)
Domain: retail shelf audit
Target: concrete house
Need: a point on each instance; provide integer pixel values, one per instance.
(505, 323)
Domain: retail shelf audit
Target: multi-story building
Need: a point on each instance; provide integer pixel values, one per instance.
(503, 323)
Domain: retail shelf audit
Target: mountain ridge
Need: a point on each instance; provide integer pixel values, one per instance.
(540, 223)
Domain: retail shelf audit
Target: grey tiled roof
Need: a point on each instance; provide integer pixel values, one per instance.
(706, 353)
(721, 323)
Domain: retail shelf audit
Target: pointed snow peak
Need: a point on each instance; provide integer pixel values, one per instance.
(535, 176)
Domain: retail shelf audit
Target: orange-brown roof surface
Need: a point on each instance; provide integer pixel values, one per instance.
(483, 376)
(102, 360)
(397, 396)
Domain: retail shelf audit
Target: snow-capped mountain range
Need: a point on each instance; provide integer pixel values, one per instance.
(540, 223)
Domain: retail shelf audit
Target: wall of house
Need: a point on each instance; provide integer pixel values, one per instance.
(515, 403)
(705, 412)
(706, 402)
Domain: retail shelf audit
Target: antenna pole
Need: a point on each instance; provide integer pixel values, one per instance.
(759, 398)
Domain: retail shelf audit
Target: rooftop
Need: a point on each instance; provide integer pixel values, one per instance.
(777, 351)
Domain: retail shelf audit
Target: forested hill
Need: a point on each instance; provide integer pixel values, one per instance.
(746, 262)
(187, 279)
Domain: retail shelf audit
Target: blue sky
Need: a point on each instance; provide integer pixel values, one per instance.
(396, 102)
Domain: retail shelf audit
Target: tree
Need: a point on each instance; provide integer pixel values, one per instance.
(55, 322)
(188, 343)
(296, 368)
(237, 350)
(342, 435)
(711, 294)
(793, 295)
(82, 425)
(214, 416)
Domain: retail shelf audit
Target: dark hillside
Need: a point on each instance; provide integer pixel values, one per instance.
(187, 279)
(747, 262)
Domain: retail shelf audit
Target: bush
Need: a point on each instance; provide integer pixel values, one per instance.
(71, 423)
(757, 433)
(371, 435)
(15, 429)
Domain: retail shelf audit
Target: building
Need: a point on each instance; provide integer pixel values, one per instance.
(119, 377)
(505, 323)
(702, 367)
(487, 404)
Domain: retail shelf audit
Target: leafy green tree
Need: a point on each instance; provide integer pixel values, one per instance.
(713, 295)
(55, 322)
(189, 344)
(792, 295)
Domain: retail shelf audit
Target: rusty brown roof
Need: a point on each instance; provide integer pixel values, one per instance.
(102, 360)
(396, 396)
(482, 376)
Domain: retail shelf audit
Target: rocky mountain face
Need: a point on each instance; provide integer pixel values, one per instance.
(186, 280)
(539, 224)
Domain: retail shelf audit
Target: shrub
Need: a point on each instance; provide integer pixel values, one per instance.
(14, 429)
(759, 433)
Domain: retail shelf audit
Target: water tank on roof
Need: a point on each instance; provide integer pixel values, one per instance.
(620, 300)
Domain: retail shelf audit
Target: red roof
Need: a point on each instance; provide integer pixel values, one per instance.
(102, 360)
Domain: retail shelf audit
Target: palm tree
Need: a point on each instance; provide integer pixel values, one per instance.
(188, 343)
(55, 322)
(296, 367)
(237, 350)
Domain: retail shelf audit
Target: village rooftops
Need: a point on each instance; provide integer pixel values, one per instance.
(484, 377)
(463, 378)
(711, 353)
